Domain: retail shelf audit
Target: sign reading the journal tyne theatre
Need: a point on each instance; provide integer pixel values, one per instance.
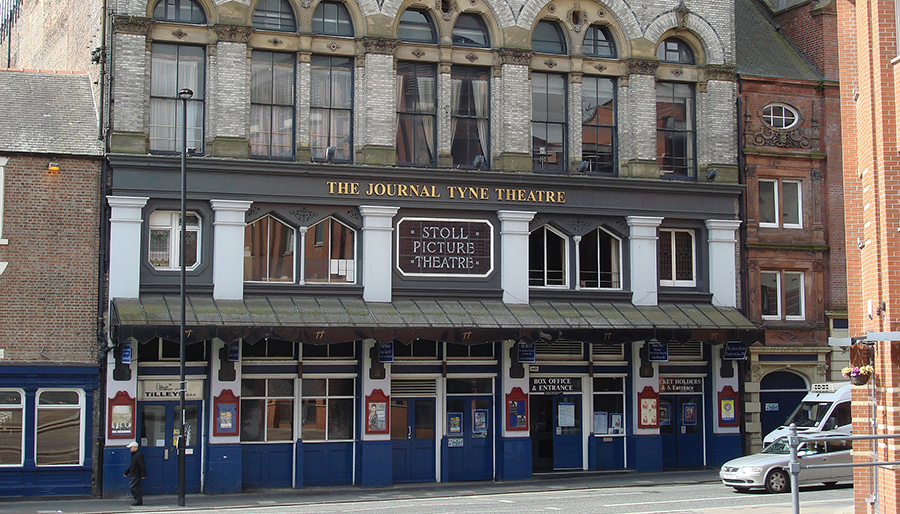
(445, 247)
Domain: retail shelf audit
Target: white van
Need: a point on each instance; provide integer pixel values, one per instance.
(825, 407)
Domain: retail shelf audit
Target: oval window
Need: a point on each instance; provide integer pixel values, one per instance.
(780, 116)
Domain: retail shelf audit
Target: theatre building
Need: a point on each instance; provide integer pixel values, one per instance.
(425, 242)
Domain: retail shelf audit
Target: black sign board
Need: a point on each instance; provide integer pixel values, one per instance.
(555, 385)
(445, 247)
(735, 351)
(126, 354)
(386, 352)
(659, 352)
(526, 353)
(234, 351)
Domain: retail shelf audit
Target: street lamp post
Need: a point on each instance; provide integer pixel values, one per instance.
(184, 94)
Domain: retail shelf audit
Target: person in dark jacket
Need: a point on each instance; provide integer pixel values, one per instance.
(136, 472)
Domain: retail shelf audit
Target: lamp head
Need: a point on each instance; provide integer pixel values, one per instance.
(712, 174)
(479, 162)
(330, 152)
(185, 93)
(582, 167)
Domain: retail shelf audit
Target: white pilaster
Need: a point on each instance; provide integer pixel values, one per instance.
(219, 357)
(513, 246)
(723, 261)
(228, 249)
(378, 223)
(125, 245)
(644, 272)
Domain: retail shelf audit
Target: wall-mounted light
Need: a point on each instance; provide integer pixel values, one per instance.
(583, 167)
(712, 174)
(53, 166)
(330, 152)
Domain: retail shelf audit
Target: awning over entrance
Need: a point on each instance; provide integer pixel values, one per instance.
(331, 320)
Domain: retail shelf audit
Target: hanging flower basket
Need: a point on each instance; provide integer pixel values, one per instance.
(859, 380)
(859, 375)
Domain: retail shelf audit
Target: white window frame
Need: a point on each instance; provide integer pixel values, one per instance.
(351, 270)
(779, 192)
(618, 264)
(595, 394)
(292, 242)
(780, 277)
(566, 264)
(20, 406)
(802, 315)
(328, 396)
(671, 242)
(174, 228)
(769, 118)
(266, 398)
(81, 421)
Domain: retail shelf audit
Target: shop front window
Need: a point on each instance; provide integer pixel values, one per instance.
(327, 410)
(12, 424)
(267, 409)
(59, 427)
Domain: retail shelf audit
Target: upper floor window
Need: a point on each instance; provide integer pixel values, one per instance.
(677, 265)
(548, 257)
(59, 428)
(174, 67)
(330, 254)
(598, 124)
(272, 105)
(548, 121)
(416, 26)
(675, 50)
(600, 260)
(470, 30)
(331, 108)
(267, 349)
(274, 15)
(548, 38)
(337, 351)
(470, 116)
(185, 11)
(164, 250)
(781, 294)
(780, 116)
(268, 251)
(599, 43)
(12, 435)
(416, 112)
(780, 204)
(470, 351)
(333, 19)
(675, 130)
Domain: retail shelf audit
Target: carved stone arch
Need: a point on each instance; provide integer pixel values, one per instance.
(704, 39)
(395, 8)
(295, 7)
(209, 7)
(490, 21)
(357, 11)
(624, 17)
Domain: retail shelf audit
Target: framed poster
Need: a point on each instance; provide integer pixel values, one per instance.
(728, 407)
(227, 413)
(517, 409)
(665, 416)
(648, 405)
(454, 423)
(689, 414)
(601, 422)
(121, 416)
(377, 413)
(727, 414)
(480, 421)
(615, 426)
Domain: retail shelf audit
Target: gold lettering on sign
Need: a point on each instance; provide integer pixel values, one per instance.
(500, 194)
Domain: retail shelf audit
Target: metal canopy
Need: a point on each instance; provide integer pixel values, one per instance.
(335, 319)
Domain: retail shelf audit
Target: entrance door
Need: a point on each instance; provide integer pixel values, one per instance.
(681, 427)
(780, 393)
(157, 424)
(567, 447)
(470, 445)
(412, 437)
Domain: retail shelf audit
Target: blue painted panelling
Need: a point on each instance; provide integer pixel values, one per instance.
(223, 472)
(645, 453)
(375, 463)
(328, 464)
(266, 465)
(298, 465)
(722, 448)
(115, 462)
(515, 458)
(606, 454)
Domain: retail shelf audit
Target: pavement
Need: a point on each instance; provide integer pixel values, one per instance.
(317, 495)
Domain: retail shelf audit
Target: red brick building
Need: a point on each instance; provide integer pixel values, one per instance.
(794, 235)
(870, 70)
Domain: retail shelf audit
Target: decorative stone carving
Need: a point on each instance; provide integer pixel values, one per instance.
(179, 34)
(681, 13)
(550, 63)
(815, 174)
(471, 57)
(305, 3)
(418, 52)
(678, 72)
(577, 226)
(275, 41)
(379, 45)
(304, 215)
(131, 25)
(448, 13)
(232, 33)
(721, 72)
(768, 136)
(600, 67)
(515, 56)
(252, 211)
(642, 66)
(577, 17)
(353, 214)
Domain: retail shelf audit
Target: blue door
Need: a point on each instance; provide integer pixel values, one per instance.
(157, 424)
(412, 438)
(567, 444)
(470, 451)
(780, 393)
(681, 428)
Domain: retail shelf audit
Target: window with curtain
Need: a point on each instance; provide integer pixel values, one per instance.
(12, 425)
(548, 38)
(548, 121)
(173, 67)
(674, 50)
(470, 116)
(327, 411)
(268, 251)
(274, 15)
(600, 260)
(272, 105)
(331, 107)
(183, 11)
(548, 258)
(334, 259)
(416, 112)
(332, 19)
(164, 250)
(598, 42)
(416, 26)
(675, 129)
(267, 409)
(677, 265)
(598, 124)
(470, 30)
(59, 428)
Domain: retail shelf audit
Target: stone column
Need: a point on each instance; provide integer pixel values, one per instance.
(723, 261)
(376, 101)
(639, 129)
(228, 249)
(515, 111)
(644, 271)
(230, 103)
(513, 247)
(378, 223)
(125, 220)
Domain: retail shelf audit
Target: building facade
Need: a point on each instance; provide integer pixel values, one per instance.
(50, 169)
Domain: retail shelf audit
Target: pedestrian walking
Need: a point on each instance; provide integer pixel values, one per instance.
(136, 472)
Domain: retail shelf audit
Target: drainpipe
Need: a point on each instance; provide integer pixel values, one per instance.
(742, 240)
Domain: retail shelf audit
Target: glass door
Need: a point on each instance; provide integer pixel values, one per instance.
(157, 429)
(412, 438)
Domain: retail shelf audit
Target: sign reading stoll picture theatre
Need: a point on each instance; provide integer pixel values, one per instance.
(445, 247)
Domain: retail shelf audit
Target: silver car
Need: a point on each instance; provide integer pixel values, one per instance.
(769, 468)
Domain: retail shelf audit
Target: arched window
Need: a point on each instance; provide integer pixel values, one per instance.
(470, 30)
(675, 50)
(548, 38)
(600, 260)
(184, 11)
(268, 251)
(332, 19)
(548, 257)
(599, 43)
(274, 15)
(330, 253)
(416, 26)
